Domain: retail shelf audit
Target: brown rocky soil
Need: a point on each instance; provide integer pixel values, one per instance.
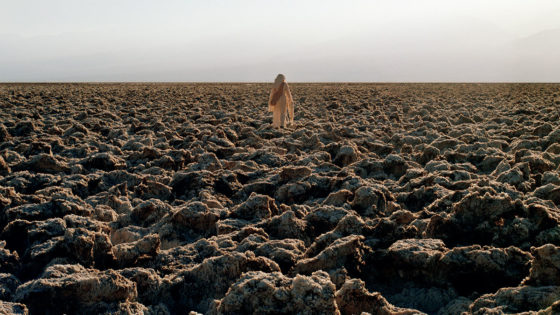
(178, 198)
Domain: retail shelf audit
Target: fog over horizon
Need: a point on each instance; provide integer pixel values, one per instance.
(252, 41)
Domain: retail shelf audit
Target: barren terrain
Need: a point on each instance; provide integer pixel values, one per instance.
(383, 198)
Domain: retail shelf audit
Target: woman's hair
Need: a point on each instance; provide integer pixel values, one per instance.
(279, 78)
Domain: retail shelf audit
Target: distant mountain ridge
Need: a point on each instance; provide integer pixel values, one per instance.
(471, 50)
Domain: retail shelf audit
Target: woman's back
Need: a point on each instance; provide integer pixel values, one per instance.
(280, 103)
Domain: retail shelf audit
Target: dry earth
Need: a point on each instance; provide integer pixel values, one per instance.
(384, 198)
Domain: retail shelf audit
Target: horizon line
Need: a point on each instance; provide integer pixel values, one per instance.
(291, 82)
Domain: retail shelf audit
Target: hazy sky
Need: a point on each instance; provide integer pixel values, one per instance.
(253, 40)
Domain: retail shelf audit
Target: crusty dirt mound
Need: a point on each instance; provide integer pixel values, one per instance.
(383, 198)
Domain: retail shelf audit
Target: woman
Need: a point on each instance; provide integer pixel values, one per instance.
(280, 103)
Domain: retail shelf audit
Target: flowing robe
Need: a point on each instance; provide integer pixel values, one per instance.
(281, 104)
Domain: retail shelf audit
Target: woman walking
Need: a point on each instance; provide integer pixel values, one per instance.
(280, 103)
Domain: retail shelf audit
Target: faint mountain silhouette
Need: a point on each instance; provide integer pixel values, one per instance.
(536, 57)
(545, 41)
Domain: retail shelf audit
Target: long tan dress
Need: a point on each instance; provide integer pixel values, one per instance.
(280, 103)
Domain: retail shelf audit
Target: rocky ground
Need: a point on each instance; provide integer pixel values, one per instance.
(383, 198)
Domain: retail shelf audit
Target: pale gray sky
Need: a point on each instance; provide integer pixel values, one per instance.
(252, 40)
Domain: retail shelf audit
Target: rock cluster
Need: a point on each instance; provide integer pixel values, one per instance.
(178, 198)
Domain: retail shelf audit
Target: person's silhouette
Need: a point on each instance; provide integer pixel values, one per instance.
(280, 103)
